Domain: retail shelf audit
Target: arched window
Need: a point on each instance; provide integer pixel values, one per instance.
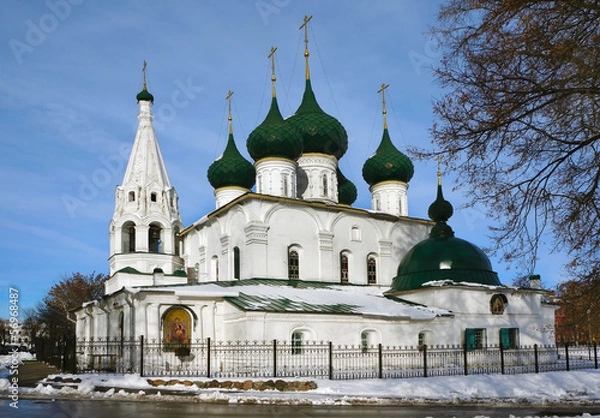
(371, 269)
(177, 330)
(297, 342)
(325, 186)
(355, 234)
(154, 239)
(377, 203)
(214, 268)
(236, 262)
(131, 196)
(178, 242)
(128, 237)
(423, 339)
(153, 197)
(293, 264)
(366, 340)
(344, 267)
(284, 178)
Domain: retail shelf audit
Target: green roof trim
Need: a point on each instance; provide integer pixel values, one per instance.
(129, 270)
(387, 164)
(252, 303)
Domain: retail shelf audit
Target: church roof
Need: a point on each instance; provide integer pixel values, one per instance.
(146, 164)
(347, 192)
(250, 196)
(297, 296)
(231, 169)
(387, 163)
(274, 137)
(443, 257)
(320, 132)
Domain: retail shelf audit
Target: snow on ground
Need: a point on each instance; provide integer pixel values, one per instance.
(575, 387)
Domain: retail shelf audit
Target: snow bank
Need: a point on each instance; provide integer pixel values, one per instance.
(581, 387)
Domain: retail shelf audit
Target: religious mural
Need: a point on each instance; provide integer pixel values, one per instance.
(177, 326)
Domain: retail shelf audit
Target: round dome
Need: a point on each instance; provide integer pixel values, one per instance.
(231, 169)
(387, 164)
(145, 95)
(274, 137)
(347, 192)
(444, 258)
(320, 132)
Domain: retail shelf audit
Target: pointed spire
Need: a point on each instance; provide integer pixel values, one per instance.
(306, 54)
(146, 164)
(384, 111)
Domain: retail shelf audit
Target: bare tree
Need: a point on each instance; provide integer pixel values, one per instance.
(519, 121)
(71, 292)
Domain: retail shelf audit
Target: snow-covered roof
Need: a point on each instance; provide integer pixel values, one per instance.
(448, 282)
(275, 295)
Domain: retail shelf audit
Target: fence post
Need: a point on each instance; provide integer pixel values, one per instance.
(274, 358)
(380, 359)
(424, 360)
(567, 356)
(595, 355)
(465, 359)
(208, 357)
(141, 356)
(501, 358)
(536, 358)
(330, 360)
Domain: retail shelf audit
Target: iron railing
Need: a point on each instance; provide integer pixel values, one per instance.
(253, 359)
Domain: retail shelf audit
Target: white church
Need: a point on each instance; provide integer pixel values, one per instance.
(285, 256)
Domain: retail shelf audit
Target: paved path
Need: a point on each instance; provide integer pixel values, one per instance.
(31, 372)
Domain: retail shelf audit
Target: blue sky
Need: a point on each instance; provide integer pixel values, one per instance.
(70, 71)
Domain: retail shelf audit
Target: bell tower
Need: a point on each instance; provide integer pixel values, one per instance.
(144, 230)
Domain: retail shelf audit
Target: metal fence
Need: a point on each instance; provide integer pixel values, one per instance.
(216, 359)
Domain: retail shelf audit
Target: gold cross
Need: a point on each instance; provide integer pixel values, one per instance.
(144, 71)
(305, 26)
(439, 173)
(229, 118)
(382, 91)
(272, 56)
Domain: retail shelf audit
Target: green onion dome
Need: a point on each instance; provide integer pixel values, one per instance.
(347, 192)
(387, 164)
(145, 95)
(274, 137)
(231, 169)
(443, 256)
(320, 132)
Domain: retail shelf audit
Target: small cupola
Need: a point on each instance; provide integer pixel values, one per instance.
(388, 172)
(231, 174)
